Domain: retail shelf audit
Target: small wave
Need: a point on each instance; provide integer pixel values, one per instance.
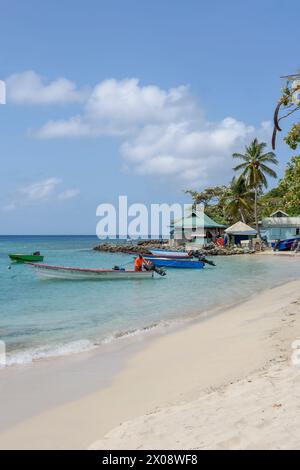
(28, 356)
(140, 332)
(130, 333)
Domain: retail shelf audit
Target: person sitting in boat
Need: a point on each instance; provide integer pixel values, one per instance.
(140, 262)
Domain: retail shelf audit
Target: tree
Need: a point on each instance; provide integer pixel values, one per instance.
(238, 200)
(225, 204)
(270, 202)
(286, 196)
(255, 170)
(289, 103)
(290, 187)
(213, 200)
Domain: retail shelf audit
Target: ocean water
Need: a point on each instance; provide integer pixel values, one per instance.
(44, 318)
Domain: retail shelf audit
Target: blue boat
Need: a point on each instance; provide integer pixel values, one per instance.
(285, 245)
(175, 263)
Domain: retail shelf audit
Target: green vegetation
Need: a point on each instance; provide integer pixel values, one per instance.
(254, 168)
(244, 197)
(226, 204)
(213, 200)
(239, 200)
(286, 196)
(287, 105)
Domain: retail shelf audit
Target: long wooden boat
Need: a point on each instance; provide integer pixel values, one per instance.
(21, 258)
(175, 263)
(74, 273)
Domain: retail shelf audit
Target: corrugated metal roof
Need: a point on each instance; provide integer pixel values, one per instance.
(240, 229)
(279, 212)
(281, 222)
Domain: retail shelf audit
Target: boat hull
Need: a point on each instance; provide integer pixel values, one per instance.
(26, 258)
(170, 254)
(286, 245)
(71, 273)
(175, 263)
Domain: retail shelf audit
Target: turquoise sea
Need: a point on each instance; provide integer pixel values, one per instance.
(44, 318)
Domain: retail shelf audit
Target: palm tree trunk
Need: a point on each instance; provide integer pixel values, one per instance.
(255, 212)
(242, 216)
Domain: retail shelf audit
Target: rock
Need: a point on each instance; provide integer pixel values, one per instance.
(144, 246)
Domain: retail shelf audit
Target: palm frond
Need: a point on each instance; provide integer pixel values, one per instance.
(269, 157)
(240, 166)
(268, 171)
(241, 156)
(263, 180)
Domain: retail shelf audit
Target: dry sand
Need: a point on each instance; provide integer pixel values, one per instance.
(261, 412)
(226, 382)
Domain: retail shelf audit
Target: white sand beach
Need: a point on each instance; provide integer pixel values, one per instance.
(226, 382)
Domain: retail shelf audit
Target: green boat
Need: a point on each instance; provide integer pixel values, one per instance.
(21, 258)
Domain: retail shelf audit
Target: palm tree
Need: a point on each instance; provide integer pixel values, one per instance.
(238, 200)
(255, 169)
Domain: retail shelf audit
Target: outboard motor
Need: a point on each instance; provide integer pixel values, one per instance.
(154, 268)
(201, 257)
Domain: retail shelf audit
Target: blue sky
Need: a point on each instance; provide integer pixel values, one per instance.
(131, 97)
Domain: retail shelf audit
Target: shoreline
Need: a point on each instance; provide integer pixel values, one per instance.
(160, 373)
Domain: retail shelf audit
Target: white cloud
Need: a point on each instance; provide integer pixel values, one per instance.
(121, 108)
(197, 154)
(163, 132)
(75, 127)
(68, 194)
(30, 88)
(9, 207)
(39, 192)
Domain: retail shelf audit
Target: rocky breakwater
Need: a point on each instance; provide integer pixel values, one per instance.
(144, 247)
(213, 250)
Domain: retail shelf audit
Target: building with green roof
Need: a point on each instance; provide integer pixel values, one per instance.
(196, 229)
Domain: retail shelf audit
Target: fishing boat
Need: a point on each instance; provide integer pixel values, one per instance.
(285, 245)
(175, 263)
(73, 273)
(171, 254)
(22, 258)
